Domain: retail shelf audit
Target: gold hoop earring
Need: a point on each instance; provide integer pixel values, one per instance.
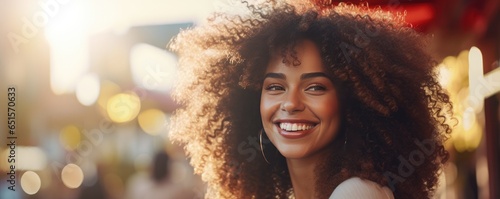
(262, 148)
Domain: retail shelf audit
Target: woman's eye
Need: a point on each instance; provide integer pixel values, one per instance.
(316, 88)
(274, 88)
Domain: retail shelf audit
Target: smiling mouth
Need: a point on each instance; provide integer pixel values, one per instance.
(291, 127)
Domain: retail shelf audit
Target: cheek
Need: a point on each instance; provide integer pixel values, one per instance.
(327, 109)
(264, 107)
(268, 107)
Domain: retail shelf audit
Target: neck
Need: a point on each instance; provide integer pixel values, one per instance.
(303, 175)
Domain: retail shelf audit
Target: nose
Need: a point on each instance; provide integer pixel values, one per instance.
(292, 102)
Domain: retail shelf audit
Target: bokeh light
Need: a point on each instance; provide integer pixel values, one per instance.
(31, 158)
(123, 107)
(465, 72)
(467, 136)
(152, 121)
(69, 49)
(87, 89)
(27, 158)
(72, 176)
(475, 74)
(153, 68)
(444, 75)
(108, 89)
(70, 137)
(30, 182)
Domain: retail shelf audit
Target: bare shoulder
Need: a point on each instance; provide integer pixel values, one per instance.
(358, 188)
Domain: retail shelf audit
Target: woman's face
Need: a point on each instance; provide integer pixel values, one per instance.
(299, 105)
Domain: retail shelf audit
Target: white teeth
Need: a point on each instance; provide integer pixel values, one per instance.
(296, 126)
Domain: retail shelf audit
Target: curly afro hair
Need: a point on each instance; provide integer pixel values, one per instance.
(394, 110)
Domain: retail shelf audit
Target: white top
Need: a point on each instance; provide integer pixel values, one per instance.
(357, 188)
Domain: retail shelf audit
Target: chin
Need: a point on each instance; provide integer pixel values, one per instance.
(292, 152)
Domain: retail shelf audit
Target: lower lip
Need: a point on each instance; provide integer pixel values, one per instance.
(294, 134)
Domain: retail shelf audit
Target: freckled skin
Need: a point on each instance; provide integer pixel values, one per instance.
(312, 99)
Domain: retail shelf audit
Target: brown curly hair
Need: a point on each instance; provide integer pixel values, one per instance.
(393, 109)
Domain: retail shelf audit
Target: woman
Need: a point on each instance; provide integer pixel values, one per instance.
(310, 101)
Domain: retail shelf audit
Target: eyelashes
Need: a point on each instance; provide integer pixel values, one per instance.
(316, 87)
(277, 87)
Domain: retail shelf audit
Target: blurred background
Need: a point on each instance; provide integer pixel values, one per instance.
(92, 82)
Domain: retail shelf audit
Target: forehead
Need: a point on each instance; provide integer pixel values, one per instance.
(308, 55)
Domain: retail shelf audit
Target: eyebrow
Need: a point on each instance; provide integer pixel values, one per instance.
(312, 75)
(303, 76)
(275, 75)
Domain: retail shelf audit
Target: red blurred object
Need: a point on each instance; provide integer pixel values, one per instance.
(419, 13)
(470, 16)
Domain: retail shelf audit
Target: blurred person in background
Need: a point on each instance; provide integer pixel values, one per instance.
(158, 184)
